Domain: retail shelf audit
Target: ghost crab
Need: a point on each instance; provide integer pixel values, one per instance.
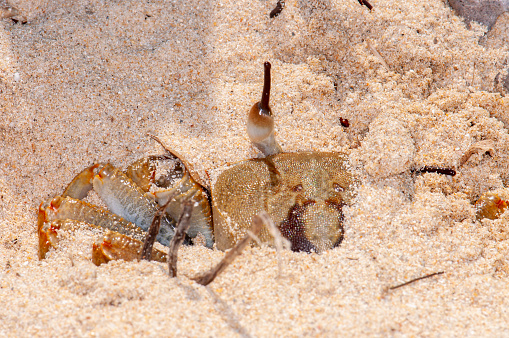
(303, 193)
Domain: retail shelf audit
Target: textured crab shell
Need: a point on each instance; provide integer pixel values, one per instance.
(302, 192)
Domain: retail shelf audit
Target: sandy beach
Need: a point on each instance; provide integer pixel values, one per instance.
(87, 81)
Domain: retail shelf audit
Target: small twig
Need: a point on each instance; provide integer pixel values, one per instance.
(377, 54)
(438, 170)
(255, 238)
(278, 9)
(473, 76)
(365, 3)
(279, 241)
(153, 231)
(180, 235)
(230, 256)
(416, 279)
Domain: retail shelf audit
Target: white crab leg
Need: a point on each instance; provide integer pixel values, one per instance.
(66, 208)
(176, 183)
(125, 241)
(111, 246)
(200, 218)
(124, 198)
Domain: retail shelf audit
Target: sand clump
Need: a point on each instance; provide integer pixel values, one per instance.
(388, 149)
(87, 81)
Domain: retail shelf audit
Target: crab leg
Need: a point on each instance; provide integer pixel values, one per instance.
(81, 184)
(65, 213)
(48, 235)
(112, 245)
(66, 208)
(131, 205)
(177, 183)
(123, 197)
(117, 246)
(201, 217)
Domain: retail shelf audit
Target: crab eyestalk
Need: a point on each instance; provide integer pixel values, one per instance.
(260, 124)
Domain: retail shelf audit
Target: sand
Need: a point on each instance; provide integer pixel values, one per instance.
(86, 81)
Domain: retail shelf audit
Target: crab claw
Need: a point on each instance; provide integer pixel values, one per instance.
(81, 184)
(306, 197)
(260, 123)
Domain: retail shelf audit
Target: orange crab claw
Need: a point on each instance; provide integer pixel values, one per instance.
(81, 184)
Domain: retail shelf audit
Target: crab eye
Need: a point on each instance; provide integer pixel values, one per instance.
(338, 188)
(297, 188)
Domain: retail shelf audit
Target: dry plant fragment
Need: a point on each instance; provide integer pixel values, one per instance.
(416, 279)
(485, 146)
(366, 3)
(278, 9)
(377, 54)
(208, 277)
(438, 170)
(178, 238)
(8, 12)
(146, 252)
(279, 241)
